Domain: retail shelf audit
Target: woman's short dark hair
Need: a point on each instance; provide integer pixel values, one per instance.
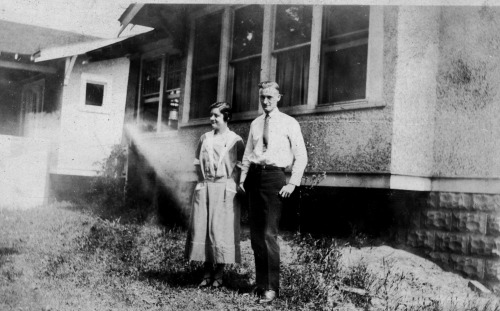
(224, 108)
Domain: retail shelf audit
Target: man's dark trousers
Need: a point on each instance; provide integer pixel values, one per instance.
(263, 184)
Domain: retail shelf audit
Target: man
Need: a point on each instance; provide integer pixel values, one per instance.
(274, 143)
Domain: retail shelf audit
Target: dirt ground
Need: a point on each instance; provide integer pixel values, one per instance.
(40, 270)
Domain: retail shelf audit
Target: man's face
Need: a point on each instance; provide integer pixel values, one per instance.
(269, 98)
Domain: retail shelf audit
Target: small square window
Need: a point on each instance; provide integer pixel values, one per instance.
(94, 94)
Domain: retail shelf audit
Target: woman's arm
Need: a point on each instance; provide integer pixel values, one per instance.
(197, 160)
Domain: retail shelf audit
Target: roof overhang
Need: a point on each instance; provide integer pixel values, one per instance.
(74, 49)
(170, 19)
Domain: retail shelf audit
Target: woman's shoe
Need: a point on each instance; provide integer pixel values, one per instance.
(217, 283)
(206, 282)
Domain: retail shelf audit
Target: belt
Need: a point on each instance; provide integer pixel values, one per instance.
(215, 179)
(265, 167)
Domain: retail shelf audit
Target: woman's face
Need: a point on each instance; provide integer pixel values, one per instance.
(217, 119)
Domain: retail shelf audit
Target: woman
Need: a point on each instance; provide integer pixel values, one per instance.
(214, 230)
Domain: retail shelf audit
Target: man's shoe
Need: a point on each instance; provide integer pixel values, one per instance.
(257, 291)
(267, 297)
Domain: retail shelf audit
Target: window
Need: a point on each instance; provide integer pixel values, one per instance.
(344, 53)
(246, 57)
(292, 52)
(160, 83)
(94, 94)
(325, 58)
(205, 64)
(150, 103)
(32, 100)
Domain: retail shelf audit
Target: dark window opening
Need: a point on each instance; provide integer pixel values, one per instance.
(94, 94)
(246, 57)
(344, 53)
(205, 64)
(292, 51)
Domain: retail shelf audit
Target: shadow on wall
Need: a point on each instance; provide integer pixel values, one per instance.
(340, 212)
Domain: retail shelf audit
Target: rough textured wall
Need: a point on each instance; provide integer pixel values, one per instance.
(460, 231)
(87, 135)
(357, 140)
(415, 91)
(468, 106)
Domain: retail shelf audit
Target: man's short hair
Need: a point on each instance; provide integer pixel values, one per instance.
(224, 108)
(266, 84)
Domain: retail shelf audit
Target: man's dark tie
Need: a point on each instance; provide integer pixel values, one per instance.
(266, 131)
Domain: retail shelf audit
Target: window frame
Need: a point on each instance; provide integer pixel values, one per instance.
(316, 11)
(374, 72)
(229, 83)
(164, 55)
(106, 98)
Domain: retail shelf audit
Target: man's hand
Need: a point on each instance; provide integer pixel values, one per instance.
(287, 190)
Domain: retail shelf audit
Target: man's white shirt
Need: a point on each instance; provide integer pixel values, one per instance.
(285, 149)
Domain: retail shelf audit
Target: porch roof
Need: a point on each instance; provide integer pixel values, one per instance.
(74, 49)
(27, 39)
(169, 18)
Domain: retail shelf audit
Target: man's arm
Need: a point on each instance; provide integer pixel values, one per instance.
(300, 159)
(299, 153)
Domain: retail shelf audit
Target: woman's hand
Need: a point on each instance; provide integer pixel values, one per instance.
(241, 188)
(287, 190)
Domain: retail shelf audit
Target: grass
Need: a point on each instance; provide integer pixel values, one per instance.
(60, 258)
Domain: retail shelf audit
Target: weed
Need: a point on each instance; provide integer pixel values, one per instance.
(318, 281)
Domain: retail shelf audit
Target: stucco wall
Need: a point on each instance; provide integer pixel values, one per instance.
(87, 135)
(468, 101)
(415, 91)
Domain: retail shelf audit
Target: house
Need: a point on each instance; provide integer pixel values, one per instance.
(30, 107)
(61, 113)
(399, 105)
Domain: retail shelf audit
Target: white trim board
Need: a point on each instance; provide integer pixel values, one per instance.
(412, 183)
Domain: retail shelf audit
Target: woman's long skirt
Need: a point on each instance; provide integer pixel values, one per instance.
(214, 229)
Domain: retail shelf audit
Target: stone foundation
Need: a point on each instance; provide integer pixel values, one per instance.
(460, 231)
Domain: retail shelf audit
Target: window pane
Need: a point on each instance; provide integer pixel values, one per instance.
(246, 80)
(204, 95)
(149, 116)
(247, 31)
(207, 40)
(151, 77)
(173, 73)
(292, 74)
(206, 65)
(94, 94)
(293, 25)
(342, 19)
(344, 74)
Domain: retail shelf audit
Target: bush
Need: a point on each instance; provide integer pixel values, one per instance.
(108, 188)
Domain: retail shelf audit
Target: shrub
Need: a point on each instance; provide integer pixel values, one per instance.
(107, 189)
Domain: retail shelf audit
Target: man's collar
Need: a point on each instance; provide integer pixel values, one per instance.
(274, 112)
